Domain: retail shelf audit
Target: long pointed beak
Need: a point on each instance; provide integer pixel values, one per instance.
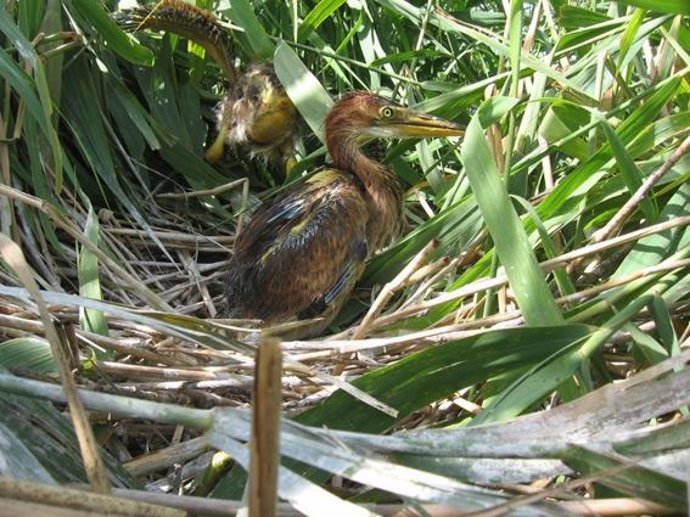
(417, 124)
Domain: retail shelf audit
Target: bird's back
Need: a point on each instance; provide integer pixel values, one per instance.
(302, 252)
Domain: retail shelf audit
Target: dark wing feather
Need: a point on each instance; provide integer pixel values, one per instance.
(302, 252)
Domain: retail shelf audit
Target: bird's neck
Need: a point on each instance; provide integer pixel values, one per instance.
(380, 185)
(347, 156)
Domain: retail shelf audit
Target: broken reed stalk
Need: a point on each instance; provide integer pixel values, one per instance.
(22, 496)
(264, 457)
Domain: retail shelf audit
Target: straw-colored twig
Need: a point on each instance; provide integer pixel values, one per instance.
(132, 372)
(631, 204)
(171, 236)
(392, 287)
(215, 191)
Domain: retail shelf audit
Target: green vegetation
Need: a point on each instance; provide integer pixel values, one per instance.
(530, 324)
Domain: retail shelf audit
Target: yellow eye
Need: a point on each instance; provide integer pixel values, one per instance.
(386, 112)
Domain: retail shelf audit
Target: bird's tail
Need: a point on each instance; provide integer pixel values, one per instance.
(188, 21)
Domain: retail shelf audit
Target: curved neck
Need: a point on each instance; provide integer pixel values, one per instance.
(344, 150)
(383, 194)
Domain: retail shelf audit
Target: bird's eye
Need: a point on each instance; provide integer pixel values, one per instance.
(386, 112)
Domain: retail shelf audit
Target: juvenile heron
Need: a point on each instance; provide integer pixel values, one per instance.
(303, 251)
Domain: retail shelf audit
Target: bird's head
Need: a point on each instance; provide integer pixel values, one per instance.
(368, 114)
(273, 118)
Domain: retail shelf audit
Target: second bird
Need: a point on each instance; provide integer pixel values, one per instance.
(255, 113)
(303, 251)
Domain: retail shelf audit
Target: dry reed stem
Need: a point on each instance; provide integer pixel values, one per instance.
(215, 191)
(265, 433)
(613, 507)
(93, 463)
(200, 373)
(166, 457)
(391, 287)
(617, 221)
(132, 283)
(171, 236)
(75, 500)
(428, 270)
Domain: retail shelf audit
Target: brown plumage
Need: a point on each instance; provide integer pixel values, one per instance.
(304, 249)
(255, 113)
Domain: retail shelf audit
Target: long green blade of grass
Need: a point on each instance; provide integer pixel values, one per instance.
(512, 244)
(664, 6)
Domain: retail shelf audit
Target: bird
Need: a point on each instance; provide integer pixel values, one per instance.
(256, 112)
(302, 252)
